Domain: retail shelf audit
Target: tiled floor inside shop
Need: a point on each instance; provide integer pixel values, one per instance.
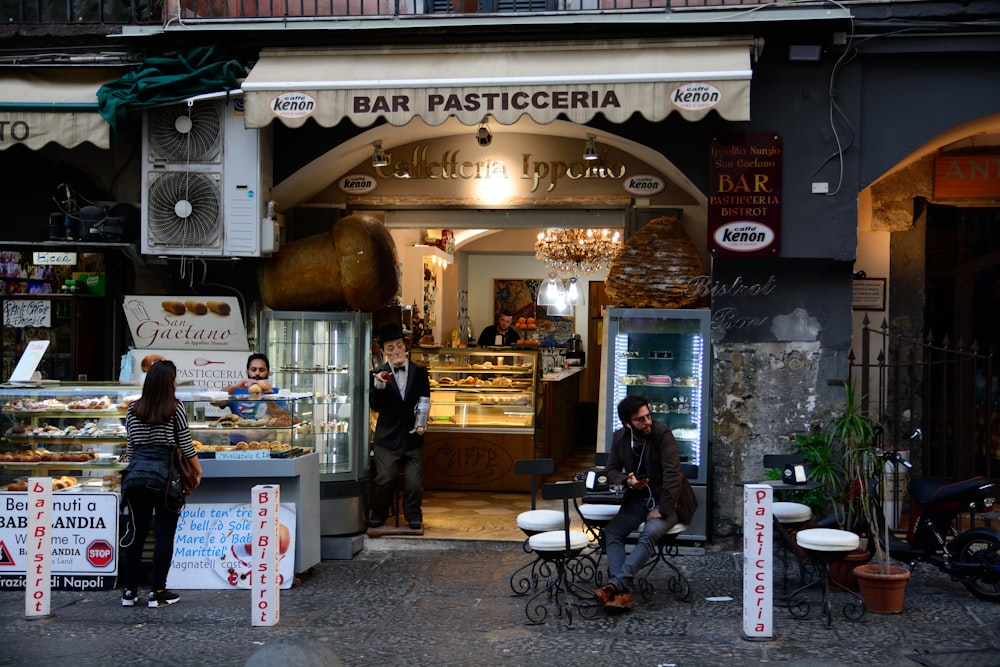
(492, 515)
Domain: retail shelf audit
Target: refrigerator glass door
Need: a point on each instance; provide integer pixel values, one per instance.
(662, 354)
(325, 354)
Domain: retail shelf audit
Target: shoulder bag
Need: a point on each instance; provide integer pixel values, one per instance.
(188, 475)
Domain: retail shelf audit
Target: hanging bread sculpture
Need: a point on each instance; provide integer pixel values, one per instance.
(354, 266)
(655, 268)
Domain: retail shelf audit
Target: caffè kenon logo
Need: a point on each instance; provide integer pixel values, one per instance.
(698, 96)
(357, 184)
(293, 105)
(643, 185)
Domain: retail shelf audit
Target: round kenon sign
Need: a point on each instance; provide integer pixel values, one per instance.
(744, 236)
(100, 553)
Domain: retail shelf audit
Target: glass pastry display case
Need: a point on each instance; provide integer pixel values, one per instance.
(483, 416)
(663, 354)
(327, 355)
(74, 434)
(480, 388)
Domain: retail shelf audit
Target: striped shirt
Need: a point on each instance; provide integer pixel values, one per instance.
(146, 434)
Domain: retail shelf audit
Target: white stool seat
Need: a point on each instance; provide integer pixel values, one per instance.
(791, 512)
(555, 541)
(538, 521)
(827, 539)
(675, 529)
(595, 512)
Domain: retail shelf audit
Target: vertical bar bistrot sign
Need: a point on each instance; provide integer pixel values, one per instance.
(265, 581)
(38, 574)
(758, 566)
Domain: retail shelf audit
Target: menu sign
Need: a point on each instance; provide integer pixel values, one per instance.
(186, 323)
(744, 195)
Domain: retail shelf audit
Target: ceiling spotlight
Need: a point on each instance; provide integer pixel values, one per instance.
(379, 158)
(483, 135)
(590, 150)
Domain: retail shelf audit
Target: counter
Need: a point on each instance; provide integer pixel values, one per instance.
(559, 427)
(230, 482)
(489, 408)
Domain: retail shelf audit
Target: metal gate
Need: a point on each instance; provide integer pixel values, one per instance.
(947, 391)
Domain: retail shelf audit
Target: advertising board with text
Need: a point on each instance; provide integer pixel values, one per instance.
(186, 323)
(84, 540)
(744, 195)
(206, 368)
(212, 546)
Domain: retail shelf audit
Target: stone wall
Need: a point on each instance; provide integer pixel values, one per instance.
(763, 394)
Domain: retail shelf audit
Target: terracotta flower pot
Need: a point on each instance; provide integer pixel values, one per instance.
(882, 593)
(842, 571)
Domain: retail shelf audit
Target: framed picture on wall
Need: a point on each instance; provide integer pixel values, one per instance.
(519, 297)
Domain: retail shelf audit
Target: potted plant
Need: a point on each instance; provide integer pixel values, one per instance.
(823, 460)
(823, 467)
(882, 584)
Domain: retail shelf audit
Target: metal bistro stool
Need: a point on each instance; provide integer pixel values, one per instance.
(789, 518)
(666, 549)
(823, 546)
(531, 522)
(561, 551)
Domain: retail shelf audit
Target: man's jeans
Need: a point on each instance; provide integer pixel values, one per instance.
(633, 512)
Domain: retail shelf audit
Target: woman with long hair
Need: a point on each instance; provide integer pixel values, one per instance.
(154, 424)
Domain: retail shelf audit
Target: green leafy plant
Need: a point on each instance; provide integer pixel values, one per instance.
(823, 464)
(854, 432)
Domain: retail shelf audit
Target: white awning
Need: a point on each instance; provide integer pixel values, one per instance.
(53, 104)
(505, 81)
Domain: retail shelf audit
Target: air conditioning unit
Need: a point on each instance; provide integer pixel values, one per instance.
(206, 181)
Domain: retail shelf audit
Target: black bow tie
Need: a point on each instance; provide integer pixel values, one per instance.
(397, 369)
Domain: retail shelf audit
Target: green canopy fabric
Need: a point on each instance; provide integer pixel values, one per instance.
(165, 79)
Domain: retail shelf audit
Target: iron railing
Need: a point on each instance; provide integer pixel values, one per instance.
(945, 390)
(34, 12)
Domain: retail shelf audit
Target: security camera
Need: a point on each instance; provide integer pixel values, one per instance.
(483, 136)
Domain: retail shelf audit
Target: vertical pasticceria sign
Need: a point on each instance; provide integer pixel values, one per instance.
(744, 195)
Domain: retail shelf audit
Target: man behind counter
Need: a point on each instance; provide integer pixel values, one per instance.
(501, 333)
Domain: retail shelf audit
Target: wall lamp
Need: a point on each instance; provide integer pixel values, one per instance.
(590, 149)
(483, 135)
(379, 158)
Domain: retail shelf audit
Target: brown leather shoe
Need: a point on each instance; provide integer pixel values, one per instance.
(621, 602)
(606, 593)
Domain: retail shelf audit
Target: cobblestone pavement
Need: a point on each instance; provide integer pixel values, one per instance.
(408, 601)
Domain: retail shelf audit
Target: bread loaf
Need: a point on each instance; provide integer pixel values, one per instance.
(173, 307)
(196, 307)
(353, 266)
(655, 268)
(219, 308)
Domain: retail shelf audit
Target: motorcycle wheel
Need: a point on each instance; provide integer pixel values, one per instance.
(977, 550)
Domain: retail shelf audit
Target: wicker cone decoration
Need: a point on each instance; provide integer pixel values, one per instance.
(655, 268)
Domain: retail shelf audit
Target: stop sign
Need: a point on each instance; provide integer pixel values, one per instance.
(100, 553)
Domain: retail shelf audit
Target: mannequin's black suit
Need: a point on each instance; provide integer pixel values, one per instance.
(395, 445)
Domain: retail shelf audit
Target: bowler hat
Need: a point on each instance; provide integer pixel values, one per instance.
(389, 331)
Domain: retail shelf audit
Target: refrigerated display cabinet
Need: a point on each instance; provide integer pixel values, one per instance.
(327, 355)
(663, 354)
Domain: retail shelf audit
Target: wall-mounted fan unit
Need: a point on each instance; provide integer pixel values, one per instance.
(181, 133)
(185, 210)
(206, 182)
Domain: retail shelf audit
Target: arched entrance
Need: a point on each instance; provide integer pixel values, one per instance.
(939, 248)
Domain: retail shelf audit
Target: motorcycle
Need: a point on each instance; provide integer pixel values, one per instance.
(934, 536)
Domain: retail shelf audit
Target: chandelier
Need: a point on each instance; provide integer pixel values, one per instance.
(576, 251)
